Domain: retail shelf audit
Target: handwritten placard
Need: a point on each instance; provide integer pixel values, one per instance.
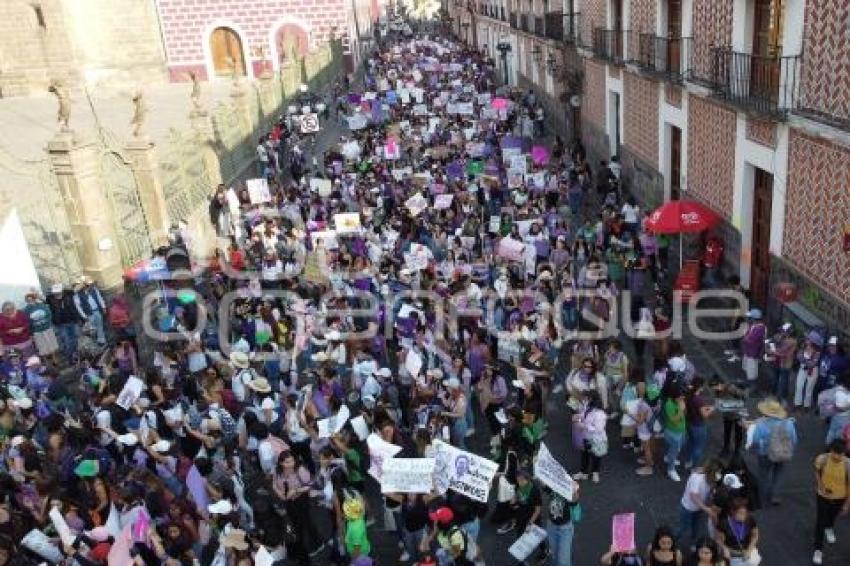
(407, 475)
(552, 474)
(623, 532)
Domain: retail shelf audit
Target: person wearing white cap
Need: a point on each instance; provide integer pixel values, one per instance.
(782, 352)
(833, 364)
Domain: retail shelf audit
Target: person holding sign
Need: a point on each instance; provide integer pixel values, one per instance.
(561, 528)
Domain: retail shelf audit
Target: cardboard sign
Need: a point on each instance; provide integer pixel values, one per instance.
(379, 452)
(258, 191)
(443, 201)
(552, 474)
(400, 174)
(361, 429)
(463, 472)
(527, 543)
(511, 249)
(407, 475)
(347, 222)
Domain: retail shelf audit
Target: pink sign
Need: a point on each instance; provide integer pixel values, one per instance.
(511, 249)
(623, 532)
(540, 155)
(391, 151)
(499, 104)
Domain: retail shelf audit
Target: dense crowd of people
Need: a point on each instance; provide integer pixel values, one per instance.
(440, 271)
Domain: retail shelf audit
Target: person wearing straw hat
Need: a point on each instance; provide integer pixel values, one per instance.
(774, 437)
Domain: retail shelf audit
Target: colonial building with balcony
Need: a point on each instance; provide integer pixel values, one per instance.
(743, 105)
(534, 44)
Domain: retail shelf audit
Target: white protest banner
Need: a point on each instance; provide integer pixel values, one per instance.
(524, 226)
(379, 452)
(527, 543)
(399, 174)
(413, 363)
(433, 122)
(258, 191)
(451, 108)
(465, 109)
(351, 150)
(416, 204)
(552, 474)
(511, 249)
(361, 429)
(347, 222)
(357, 121)
(443, 201)
(62, 528)
(469, 133)
(327, 237)
(321, 186)
(326, 426)
(420, 110)
(509, 153)
(383, 84)
(370, 95)
(407, 475)
(130, 393)
(462, 471)
(263, 557)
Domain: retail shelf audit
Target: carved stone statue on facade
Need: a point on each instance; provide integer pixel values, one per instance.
(139, 113)
(63, 97)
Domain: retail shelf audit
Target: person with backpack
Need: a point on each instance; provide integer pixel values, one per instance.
(832, 474)
(453, 545)
(775, 439)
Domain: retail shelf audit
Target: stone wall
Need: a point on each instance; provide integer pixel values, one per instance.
(94, 42)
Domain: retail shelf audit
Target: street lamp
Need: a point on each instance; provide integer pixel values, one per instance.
(504, 48)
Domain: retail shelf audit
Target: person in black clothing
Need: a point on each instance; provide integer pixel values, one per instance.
(66, 319)
(528, 501)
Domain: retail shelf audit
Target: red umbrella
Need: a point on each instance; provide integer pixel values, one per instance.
(679, 216)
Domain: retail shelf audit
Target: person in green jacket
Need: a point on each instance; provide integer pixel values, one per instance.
(356, 537)
(674, 428)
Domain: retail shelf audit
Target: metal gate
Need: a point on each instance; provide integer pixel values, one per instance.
(128, 214)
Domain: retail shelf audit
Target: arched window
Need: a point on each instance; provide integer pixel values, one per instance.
(226, 50)
(291, 39)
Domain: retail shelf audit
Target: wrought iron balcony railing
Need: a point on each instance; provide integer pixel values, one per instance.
(608, 44)
(663, 56)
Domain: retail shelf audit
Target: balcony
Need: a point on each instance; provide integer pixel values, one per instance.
(512, 19)
(523, 22)
(608, 45)
(753, 83)
(663, 57)
(554, 26)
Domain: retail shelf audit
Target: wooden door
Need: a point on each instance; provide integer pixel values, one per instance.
(226, 50)
(675, 163)
(674, 35)
(760, 248)
(767, 48)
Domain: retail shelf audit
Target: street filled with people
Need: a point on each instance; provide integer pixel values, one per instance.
(398, 337)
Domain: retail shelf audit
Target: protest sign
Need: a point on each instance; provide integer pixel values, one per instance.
(383, 84)
(465, 108)
(321, 186)
(508, 348)
(404, 95)
(404, 125)
(347, 222)
(489, 114)
(509, 153)
(552, 474)
(361, 429)
(401, 173)
(433, 123)
(443, 201)
(379, 452)
(392, 97)
(370, 95)
(357, 121)
(519, 164)
(539, 179)
(499, 104)
(417, 76)
(462, 471)
(413, 363)
(416, 204)
(130, 393)
(263, 557)
(515, 179)
(313, 271)
(327, 238)
(623, 532)
(511, 249)
(527, 543)
(392, 150)
(495, 224)
(258, 191)
(334, 423)
(451, 107)
(420, 110)
(407, 475)
(476, 149)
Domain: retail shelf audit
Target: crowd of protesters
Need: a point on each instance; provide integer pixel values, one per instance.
(354, 285)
